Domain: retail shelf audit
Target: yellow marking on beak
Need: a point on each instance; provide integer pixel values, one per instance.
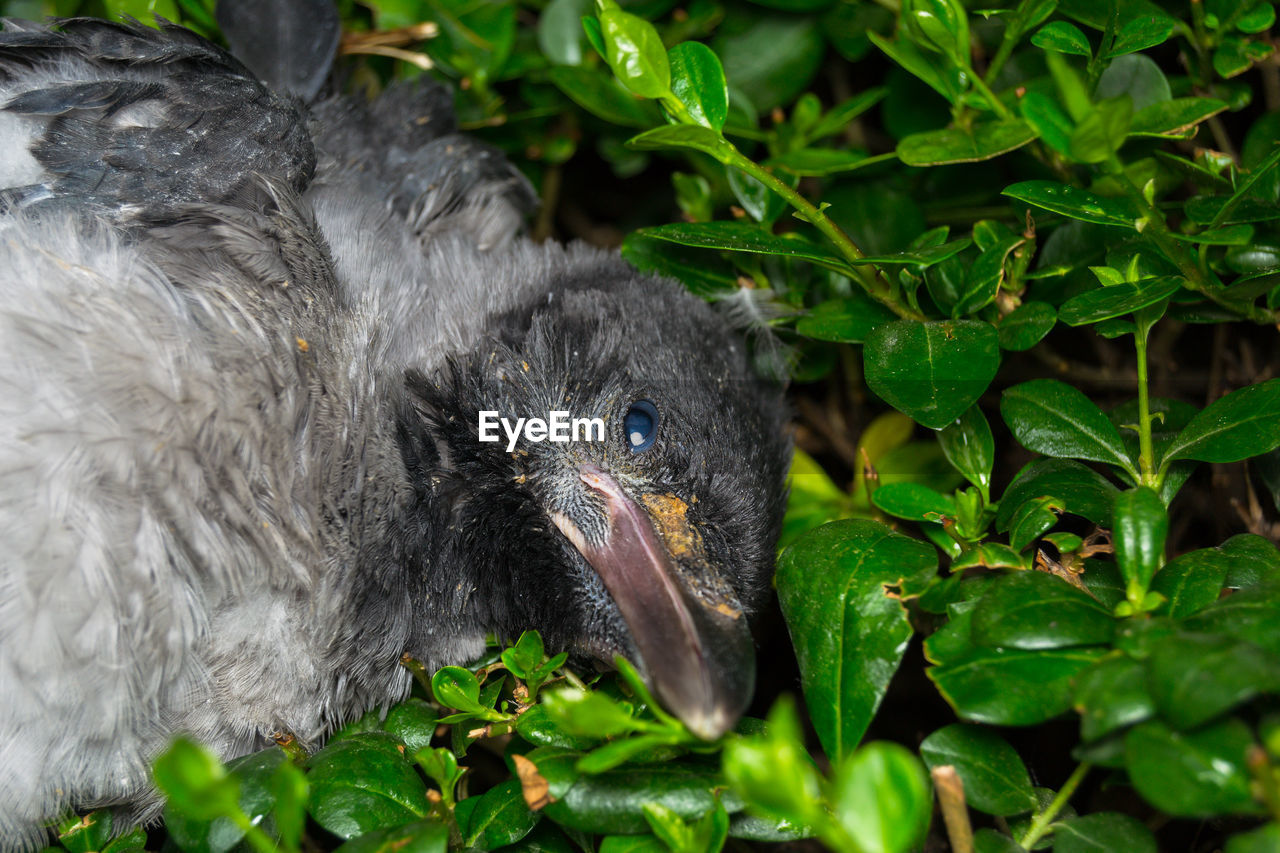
(668, 514)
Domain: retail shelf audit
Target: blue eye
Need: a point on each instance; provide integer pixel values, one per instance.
(640, 425)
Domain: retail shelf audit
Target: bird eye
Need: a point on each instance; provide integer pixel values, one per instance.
(641, 425)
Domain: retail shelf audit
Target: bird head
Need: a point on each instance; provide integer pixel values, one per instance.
(648, 533)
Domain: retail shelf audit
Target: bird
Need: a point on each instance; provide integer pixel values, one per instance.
(248, 338)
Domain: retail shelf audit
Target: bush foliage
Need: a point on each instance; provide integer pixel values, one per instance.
(1021, 262)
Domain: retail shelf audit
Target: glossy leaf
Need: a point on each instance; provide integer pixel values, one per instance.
(742, 237)
(956, 145)
(697, 81)
(602, 95)
(969, 446)
(1118, 300)
(848, 320)
(1235, 427)
(1139, 527)
(882, 797)
(1062, 37)
(931, 371)
(1174, 118)
(1111, 695)
(1026, 325)
(1035, 610)
(1033, 519)
(364, 783)
(995, 779)
(1196, 677)
(773, 772)
(1191, 582)
(695, 137)
(1011, 687)
(612, 803)
(1074, 203)
(634, 51)
(848, 635)
(1192, 774)
(500, 817)
(1082, 491)
(1056, 419)
(914, 501)
(425, 836)
(1102, 832)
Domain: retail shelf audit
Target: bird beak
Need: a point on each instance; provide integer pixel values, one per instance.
(695, 648)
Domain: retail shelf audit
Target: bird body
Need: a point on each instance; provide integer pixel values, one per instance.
(243, 349)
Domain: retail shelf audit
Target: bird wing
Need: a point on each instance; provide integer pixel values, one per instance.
(402, 147)
(134, 122)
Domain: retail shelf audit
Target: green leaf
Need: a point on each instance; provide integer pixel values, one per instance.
(1237, 426)
(363, 783)
(634, 51)
(948, 81)
(86, 834)
(1033, 519)
(1074, 203)
(931, 371)
(414, 722)
(1136, 77)
(1062, 37)
(995, 779)
(289, 790)
(969, 447)
(989, 841)
(1110, 695)
(1140, 32)
(697, 81)
(603, 96)
(1191, 582)
(455, 687)
(984, 278)
(1036, 610)
(500, 817)
(991, 555)
(560, 35)
(588, 714)
(818, 162)
(1139, 527)
(1055, 419)
(195, 782)
(1174, 118)
(844, 320)
(424, 836)
(771, 58)
(1117, 300)
(1052, 125)
(1254, 561)
(1102, 131)
(1083, 491)
(1264, 840)
(839, 116)
(1196, 677)
(882, 797)
(1192, 774)
(1249, 615)
(1026, 325)
(848, 635)
(1102, 832)
(773, 771)
(915, 502)
(704, 274)
(695, 137)
(632, 844)
(1011, 687)
(762, 203)
(612, 803)
(961, 145)
(743, 237)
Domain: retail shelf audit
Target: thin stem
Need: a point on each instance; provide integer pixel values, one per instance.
(1042, 821)
(876, 287)
(1146, 455)
(996, 104)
